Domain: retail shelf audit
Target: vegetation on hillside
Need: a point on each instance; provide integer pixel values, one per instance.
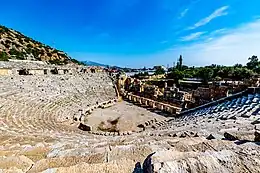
(3, 56)
(15, 45)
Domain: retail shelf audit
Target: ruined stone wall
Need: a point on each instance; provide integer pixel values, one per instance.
(36, 71)
(164, 107)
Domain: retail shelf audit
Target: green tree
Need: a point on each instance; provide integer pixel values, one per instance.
(205, 74)
(176, 75)
(159, 70)
(179, 63)
(253, 62)
(141, 74)
(17, 54)
(238, 66)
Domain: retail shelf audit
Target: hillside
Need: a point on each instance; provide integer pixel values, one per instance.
(15, 45)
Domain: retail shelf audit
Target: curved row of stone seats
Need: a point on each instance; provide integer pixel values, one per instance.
(47, 127)
(237, 105)
(36, 104)
(19, 118)
(242, 106)
(33, 117)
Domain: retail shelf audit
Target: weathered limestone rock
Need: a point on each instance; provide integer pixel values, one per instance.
(172, 135)
(129, 133)
(232, 116)
(257, 136)
(256, 121)
(19, 162)
(230, 137)
(184, 135)
(147, 165)
(84, 127)
(141, 126)
(196, 135)
(223, 117)
(210, 137)
(257, 127)
(112, 167)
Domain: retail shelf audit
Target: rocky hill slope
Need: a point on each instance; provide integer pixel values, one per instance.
(15, 45)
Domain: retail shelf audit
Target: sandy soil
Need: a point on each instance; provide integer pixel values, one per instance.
(128, 114)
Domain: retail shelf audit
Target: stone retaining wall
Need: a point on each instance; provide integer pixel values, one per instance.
(152, 103)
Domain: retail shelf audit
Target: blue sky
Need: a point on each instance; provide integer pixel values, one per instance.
(139, 33)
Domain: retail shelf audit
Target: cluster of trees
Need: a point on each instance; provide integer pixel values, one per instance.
(17, 54)
(140, 75)
(159, 70)
(215, 72)
(13, 52)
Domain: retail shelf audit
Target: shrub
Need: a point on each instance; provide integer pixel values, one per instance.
(3, 56)
(17, 54)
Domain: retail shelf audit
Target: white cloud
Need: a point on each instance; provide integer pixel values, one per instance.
(218, 31)
(235, 46)
(192, 36)
(217, 13)
(231, 47)
(183, 13)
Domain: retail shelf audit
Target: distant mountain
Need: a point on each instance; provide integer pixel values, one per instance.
(91, 63)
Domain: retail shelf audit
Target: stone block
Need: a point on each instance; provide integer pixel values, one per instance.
(256, 121)
(210, 137)
(84, 127)
(257, 136)
(230, 137)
